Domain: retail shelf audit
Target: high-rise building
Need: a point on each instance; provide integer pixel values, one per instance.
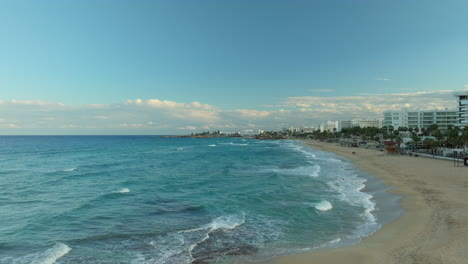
(420, 119)
(363, 122)
(462, 114)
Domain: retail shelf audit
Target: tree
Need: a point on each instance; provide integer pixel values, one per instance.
(432, 129)
(439, 135)
(430, 144)
(424, 131)
(415, 139)
(454, 137)
(464, 137)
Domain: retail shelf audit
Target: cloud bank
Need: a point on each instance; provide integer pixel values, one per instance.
(155, 116)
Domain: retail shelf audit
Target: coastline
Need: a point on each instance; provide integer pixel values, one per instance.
(433, 227)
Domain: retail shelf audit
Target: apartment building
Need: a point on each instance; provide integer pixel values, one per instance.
(420, 119)
(363, 122)
(462, 114)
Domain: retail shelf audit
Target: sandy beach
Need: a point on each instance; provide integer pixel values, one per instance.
(434, 225)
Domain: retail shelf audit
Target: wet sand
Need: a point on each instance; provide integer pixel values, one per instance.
(434, 225)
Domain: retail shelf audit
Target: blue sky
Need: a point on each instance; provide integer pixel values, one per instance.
(223, 64)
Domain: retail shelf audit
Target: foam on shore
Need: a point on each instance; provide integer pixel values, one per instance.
(49, 256)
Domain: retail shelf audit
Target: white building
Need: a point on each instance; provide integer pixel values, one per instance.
(330, 126)
(462, 115)
(344, 124)
(358, 122)
(305, 129)
(420, 119)
(363, 122)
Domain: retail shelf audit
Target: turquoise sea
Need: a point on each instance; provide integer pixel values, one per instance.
(150, 199)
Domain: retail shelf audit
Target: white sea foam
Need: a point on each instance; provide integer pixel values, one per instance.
(222, 222)
(235, 144)
(49, 256)
(178, 247)
(334, 241)
(344, 181)
(312, 171)
(228, 222)
(323, 206)
(350, 186)
(124, 190)
(308, 153)
(212, 145)
(180, 149)
(70, 169)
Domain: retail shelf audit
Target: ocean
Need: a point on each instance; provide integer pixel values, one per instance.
(151, 199)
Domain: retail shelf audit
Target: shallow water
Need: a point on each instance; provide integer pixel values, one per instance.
(147, 199)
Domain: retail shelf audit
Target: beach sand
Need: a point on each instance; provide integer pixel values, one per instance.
(434, 225)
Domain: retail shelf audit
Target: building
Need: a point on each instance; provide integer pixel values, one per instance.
(307, 130)
(337, 126)
(344, 124)
(420, 119)
(367, 123)
(329, 126)
(462, 114)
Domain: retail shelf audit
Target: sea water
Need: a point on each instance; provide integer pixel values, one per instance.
(150, 199)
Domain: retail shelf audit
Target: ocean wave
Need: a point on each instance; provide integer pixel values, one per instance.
(70, 169)
(49, 256)
(183, 246)
(222, 222)
(350, 191)
(334, 241)
(123, 190)
(235, 144)
(212, 145)
(323, 206)
(312, 171)
(227, 222)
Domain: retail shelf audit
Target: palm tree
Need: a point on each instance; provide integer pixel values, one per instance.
(464, 138)
(415, 139)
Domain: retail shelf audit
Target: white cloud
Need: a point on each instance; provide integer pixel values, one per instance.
(156, 116)
(466, 86)
(188, 128)
(131, 125)
(9, 126)
(69, 126)
(163, 104)
(370, 105)
(35, 102)
(252, 113)
(382, 79)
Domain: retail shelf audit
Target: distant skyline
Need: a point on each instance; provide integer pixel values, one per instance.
(177, 67)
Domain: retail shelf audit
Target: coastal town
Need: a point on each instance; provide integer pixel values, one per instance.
(434, 132)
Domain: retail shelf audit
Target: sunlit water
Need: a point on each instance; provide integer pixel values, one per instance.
(147, 199)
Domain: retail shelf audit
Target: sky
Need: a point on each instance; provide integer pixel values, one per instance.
(179, 66)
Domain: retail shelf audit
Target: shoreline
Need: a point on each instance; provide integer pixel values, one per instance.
(433, 226)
